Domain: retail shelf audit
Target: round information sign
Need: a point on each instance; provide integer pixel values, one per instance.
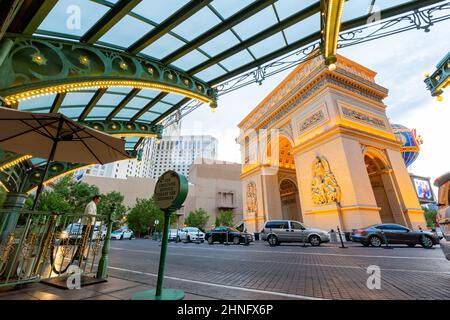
(171, 191)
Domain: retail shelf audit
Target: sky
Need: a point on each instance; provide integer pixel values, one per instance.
(400, 62)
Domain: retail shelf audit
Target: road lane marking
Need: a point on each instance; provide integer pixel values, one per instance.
(290, 263)
(274, 293)
(306, 253)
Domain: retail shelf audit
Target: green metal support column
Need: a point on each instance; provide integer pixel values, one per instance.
(102, 270)
(14, 202)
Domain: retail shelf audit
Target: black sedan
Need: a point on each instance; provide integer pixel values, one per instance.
(227, 234)
(394, 234)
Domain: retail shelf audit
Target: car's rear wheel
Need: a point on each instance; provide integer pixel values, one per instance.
(272, 240)
(375, 241)
(210, 240)
(236, 240)
(426, 242)
(314, 240)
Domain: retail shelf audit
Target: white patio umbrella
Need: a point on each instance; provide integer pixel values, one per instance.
(55, 137)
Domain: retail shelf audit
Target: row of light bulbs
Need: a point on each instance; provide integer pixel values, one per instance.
(14, 162)
(102, 85)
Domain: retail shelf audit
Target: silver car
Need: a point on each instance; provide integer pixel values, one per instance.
(277, 231)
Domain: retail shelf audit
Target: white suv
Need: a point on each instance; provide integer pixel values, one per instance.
(189, 234)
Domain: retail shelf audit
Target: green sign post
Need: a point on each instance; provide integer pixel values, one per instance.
(170, 192)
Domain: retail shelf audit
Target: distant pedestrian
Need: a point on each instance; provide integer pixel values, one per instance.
(88, 222)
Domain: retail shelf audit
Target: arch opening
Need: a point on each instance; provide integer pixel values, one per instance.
(375, 168)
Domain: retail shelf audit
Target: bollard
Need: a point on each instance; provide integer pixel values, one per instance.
(102, 270)
(246, 242)
(198, 236)
(340, 237)
(226, 243)
(304, 238)
(386, 242)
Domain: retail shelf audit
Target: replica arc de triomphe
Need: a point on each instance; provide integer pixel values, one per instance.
(319, 149)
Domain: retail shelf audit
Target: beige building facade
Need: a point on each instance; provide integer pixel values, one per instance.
(131, 188)
(214, 186)
(320, 149)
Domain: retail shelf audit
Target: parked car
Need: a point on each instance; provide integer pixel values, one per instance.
(122, 234)
(219, 234)
(189, 234)
(278, 231)
(395, 234)
(74, 231)
(174, 235)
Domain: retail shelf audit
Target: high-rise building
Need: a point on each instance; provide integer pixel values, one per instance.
(143, 165)
(178, 153)
(119, 170)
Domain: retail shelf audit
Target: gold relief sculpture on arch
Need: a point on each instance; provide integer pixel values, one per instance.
(252, 204)
(324, 187)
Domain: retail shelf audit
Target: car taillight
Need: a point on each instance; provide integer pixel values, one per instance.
(359, 231)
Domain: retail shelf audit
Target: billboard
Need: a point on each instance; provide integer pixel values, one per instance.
(423, 189)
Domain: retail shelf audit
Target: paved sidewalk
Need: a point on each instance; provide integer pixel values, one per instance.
(114, 289)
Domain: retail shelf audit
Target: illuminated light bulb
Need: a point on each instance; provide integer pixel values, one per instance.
(440, 98)
(158, 141)
(213, 110)
(332, 67)
(426, 74)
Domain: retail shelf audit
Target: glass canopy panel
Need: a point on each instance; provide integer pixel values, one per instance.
(71, 112)
(197, 24)
(73, 17)
(109, 99)
(220, 43)
(77, 98)
(286, 8)
(189, 60)
(268, 45)
(148, 93)
(138, 103)
(211, 73)
(119, 90)
(303, 28)
(355, 9)
(159, 10)
(127, 31)
(239, 59)
(161, 107)
(227, 8)
(173, 98)
(163, 46)
(126, 113)
(100, 111)
(256, 23)
(43, 103)
(148, 116)
(386, 4)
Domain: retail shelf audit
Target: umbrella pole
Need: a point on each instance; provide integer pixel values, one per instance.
(41, 184)
(47, 166)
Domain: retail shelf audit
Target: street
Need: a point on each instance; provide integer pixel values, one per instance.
(288, 271)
